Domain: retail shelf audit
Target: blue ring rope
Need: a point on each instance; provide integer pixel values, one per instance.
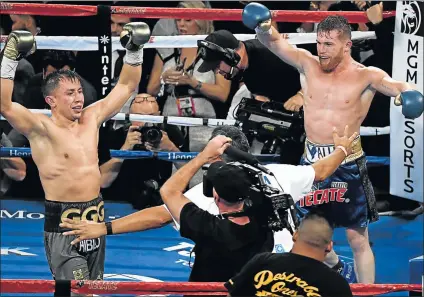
(25, 152)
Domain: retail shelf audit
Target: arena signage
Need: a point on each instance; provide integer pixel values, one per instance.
(406, 136)
(20, 214)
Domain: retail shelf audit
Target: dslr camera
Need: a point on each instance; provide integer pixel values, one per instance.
(266, 203)
(151, 134)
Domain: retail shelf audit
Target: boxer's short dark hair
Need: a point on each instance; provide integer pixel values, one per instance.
(335, 23)
(52, 81)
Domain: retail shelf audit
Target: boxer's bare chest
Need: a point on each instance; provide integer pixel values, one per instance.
(76, 145)
(335, 91)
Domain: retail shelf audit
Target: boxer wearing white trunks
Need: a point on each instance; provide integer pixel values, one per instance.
(64, 147)
(338, 91)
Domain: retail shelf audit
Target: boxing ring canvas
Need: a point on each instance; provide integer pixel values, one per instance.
(163, 255)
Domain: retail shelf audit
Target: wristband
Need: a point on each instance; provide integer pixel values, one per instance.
(8, 68)
(109, 230)
(258, 30)
(134, 58)
(343, 149)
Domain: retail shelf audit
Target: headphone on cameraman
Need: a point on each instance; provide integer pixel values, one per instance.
(207, 51)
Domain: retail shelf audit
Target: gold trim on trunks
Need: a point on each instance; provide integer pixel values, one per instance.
(314, 152)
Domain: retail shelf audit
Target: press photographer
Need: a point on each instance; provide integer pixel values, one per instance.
(268, 80)
(138, 180)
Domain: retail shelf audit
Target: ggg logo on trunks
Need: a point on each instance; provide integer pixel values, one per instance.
(411, 17)
(94, 213)
(320, 196)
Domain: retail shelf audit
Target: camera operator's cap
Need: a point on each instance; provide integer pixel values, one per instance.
(222, 38)
(231, 183)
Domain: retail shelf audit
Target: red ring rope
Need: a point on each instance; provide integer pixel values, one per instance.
(111, 287)
(175, 13)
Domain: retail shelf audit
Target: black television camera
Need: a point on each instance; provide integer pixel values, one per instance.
(270, 123)
(267, 204)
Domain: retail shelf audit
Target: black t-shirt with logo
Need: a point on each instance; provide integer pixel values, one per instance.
(222, 247)
(268, 75)
(287, 274)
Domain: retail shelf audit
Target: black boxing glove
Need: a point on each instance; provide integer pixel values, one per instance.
(19, 44)
(133, 37)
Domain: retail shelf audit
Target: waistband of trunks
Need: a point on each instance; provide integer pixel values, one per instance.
(55, 211)
(314, 152)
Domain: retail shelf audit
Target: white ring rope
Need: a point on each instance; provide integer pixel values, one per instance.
(186, 121)
(83, 43)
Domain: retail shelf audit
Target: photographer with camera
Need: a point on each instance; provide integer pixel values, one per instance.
(138, 180)
(302, 271)
(274, 121)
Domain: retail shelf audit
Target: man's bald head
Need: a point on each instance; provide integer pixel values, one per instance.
(315, 231)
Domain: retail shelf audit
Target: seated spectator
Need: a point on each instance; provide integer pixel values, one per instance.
(139, 180)
(12, 168)
(52, 61)
(184, 90)
(300, 272)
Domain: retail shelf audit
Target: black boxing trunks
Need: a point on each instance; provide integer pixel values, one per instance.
(347, 196)
(83, 261)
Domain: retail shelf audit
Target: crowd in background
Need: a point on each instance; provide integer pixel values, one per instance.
(136, 181)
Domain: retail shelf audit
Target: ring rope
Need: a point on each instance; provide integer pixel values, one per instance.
(89, 43)
(177, 13)
(194, 122)
(185, 288)
(24, 152)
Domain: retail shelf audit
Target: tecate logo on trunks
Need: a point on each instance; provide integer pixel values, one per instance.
(318, 197)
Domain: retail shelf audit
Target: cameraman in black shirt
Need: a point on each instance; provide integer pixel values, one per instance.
(274, 84)
(223, 245)
(298, 273)
(137, 180)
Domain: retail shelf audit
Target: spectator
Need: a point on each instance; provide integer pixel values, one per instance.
(186, 91)
(32, 24)
(137, 180)
(13, 168)
(301, 272)
(54, 60)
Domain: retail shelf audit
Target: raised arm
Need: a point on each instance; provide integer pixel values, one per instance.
(18, 44)
(405, 94)
(172, 190)
(133, 37)
(257, 17)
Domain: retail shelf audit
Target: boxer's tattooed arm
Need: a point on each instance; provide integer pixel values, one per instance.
(384, 84)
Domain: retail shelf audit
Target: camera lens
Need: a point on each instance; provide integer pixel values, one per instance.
(153, 135)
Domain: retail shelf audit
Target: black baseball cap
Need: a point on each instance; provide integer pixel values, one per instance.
(231, 183)
(222, 38)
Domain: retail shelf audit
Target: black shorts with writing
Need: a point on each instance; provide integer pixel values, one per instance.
(83, 261)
